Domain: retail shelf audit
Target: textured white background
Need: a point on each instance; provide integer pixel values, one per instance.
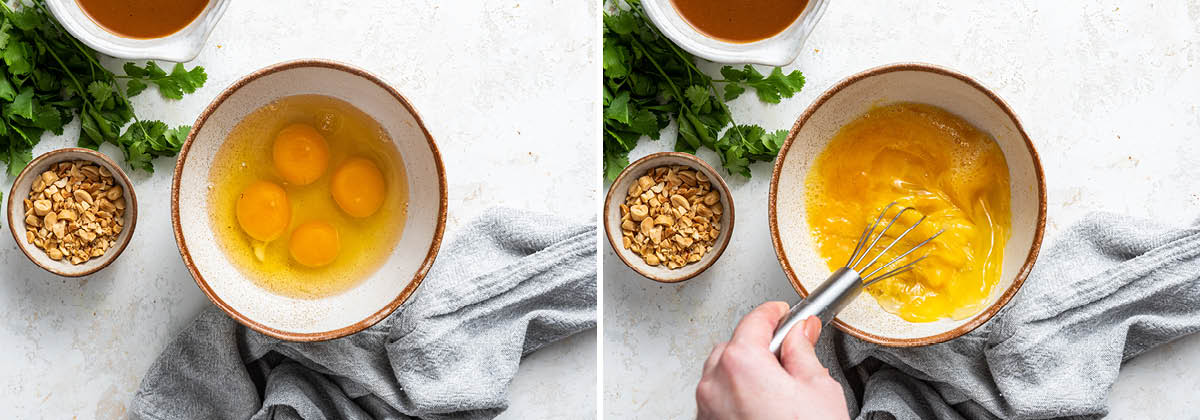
(508, 90)
(1107, 90)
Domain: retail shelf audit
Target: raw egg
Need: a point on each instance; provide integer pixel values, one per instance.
(298, 145)
(301, 154)
(358, 187)
(263, 211)
(314, 244)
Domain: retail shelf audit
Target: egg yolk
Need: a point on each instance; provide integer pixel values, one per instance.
(301, 154)
(357, 187)
(314, 244)
(263, 210)
(922, 157)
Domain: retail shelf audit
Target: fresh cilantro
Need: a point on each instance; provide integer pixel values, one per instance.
(171, 86)
(649, 82)
(146, 140)
(769, 89)
(47, 78)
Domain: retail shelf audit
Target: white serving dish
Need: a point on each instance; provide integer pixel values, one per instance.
(179, 47)
(778, 50)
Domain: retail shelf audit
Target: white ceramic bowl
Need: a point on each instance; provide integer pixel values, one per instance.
(180, 46)
(20, 191)
(847, 100)
(778, 50)
(376, 296)
(612, 216)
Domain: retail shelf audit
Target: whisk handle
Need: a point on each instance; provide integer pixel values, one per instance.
(824, 303)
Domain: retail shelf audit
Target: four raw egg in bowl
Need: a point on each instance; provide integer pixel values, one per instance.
(931, 139)
(309, 201)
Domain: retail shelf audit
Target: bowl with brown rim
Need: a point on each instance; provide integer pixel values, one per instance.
(906, 82)
(380, 292)
(17, 211)
(617, 193)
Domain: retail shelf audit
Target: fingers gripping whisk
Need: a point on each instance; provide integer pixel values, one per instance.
(863, 248)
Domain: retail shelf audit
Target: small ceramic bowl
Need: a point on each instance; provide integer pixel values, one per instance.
(612, 216)
(180, 46)
(375, 296)
(16, 211)
(921, 83)
(778, 50)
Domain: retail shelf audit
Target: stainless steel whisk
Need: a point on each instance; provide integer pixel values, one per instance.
(848, 282)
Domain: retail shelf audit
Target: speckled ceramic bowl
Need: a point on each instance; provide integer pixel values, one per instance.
(20, 191)
(377, 295)
(180, 46)
(612, 216)
(922, 83)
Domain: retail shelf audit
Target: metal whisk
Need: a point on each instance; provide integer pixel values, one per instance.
(847, 282)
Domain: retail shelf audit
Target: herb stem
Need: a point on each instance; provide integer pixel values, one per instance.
(678, 94)
(712, 87)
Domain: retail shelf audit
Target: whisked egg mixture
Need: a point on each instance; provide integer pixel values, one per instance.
(927, 158)
(308, 196)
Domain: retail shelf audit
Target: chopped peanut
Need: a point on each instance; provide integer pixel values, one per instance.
(671, 216)
(74, 212)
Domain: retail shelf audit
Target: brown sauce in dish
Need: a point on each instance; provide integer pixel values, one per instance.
(740, 20)
(143, 18)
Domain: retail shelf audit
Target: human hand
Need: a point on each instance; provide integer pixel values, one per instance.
(744, 380)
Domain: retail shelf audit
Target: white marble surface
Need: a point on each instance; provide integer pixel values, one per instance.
(1107, 90)
(508, 91)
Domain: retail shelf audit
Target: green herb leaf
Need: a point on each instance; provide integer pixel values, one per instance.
(697, 95)
(22, 105)
(614, 60)
(622, 23)
(134, 87)
(732, 91)
(7, 93)
(614, 163)
(101, 92)
(618, 109)
(27, 19)
(132, 70)
(645, 123)
(16, 56)
(17, 158)
(4, 33)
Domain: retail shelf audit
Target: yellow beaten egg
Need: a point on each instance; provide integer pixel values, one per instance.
(310, 149)
(300, 154)
(358, 187)
(923, 157)
(263, 211)
(314, 244)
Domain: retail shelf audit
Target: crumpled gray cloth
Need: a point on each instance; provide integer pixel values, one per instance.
(510, 283)
(1109, 289)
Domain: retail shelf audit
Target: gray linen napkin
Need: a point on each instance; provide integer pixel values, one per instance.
(511, 283)
(1111, 288)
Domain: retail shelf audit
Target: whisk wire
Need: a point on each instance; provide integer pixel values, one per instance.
(855, 257)
(868, 240)
(894, 242)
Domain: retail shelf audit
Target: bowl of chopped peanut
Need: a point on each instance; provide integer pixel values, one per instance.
(72, 211)
(668, 216)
